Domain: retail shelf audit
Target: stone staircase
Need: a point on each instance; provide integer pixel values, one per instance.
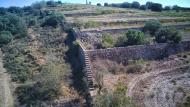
(88, 74)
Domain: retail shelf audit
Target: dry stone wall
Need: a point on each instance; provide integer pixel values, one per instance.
(146, 52)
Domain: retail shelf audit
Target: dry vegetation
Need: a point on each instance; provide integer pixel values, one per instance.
(43, 59)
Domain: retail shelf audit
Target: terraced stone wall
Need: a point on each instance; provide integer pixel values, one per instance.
(146, 52)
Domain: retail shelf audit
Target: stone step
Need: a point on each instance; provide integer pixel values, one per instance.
(88, 68)
(89, 79)
(89, 76)
(87, 61)
(91, 89)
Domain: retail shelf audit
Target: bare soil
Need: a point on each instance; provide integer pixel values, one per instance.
(6, 98)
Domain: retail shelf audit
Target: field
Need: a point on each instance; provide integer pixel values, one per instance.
(160, 83)
(50, 65)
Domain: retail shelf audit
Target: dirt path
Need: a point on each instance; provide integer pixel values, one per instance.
(6, 99)
(161, 88)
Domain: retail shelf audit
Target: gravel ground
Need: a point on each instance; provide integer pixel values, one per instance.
(161, 88)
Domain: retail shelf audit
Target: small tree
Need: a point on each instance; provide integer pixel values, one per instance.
(116, 98)
(143, 7)
(106, 4)
(152, 27)
(5, 37)
(3, 10)
(98, 4)
(167, 8)
(176, 8)
(107, 41)
(54, 20)
(99, 79)
(149, 4)
(135, 37)
(51, 3)
(156, 7)
(125, 5)
(135, 4)
(168, 35)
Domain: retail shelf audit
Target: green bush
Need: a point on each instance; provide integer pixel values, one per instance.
(168, 35)
(122, 41)
(54, 20)
(152, 27)
(47, 87)
(15, 63)
(13, 24)
(107, 41)
(143, 7)
(156, 7)
(5, 37)
(135, 37)
(91, 24)
(132, 37)
(79, 24)
(117, 98)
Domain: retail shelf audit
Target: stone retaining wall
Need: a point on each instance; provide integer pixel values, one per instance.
(146, 52)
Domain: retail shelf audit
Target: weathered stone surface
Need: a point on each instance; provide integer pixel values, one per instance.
(146, 52)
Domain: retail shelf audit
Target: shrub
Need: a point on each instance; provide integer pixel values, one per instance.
(13, 24)
(3, 11)
(98, 4)
(91, 24)
(132, 37)
(5, 37)
(15, 63)
(122, 41)
(79, 24)
(135, 4)
(135, 68)
(135, 37)
(168, 35)
(39, 5)
(117, 98)
(45, 89)
(51, 3)
(54, 20)
(156, 7)
(167, 8)
(152, 27)
(125, 5)
(106, 4)
(143, 7)
(99, 79)
(14, 9)
(176, 8)
(149, 4)
(107, 41)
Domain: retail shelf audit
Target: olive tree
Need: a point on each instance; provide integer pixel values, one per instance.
(168, 35)
(152, 27)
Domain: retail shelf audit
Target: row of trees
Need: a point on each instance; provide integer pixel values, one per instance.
(162, 34)
(149, 5)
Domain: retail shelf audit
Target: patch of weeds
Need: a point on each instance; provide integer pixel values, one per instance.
(173, 81)
(92, 24)
(187, 103)
(167, 96)
(107, 41)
